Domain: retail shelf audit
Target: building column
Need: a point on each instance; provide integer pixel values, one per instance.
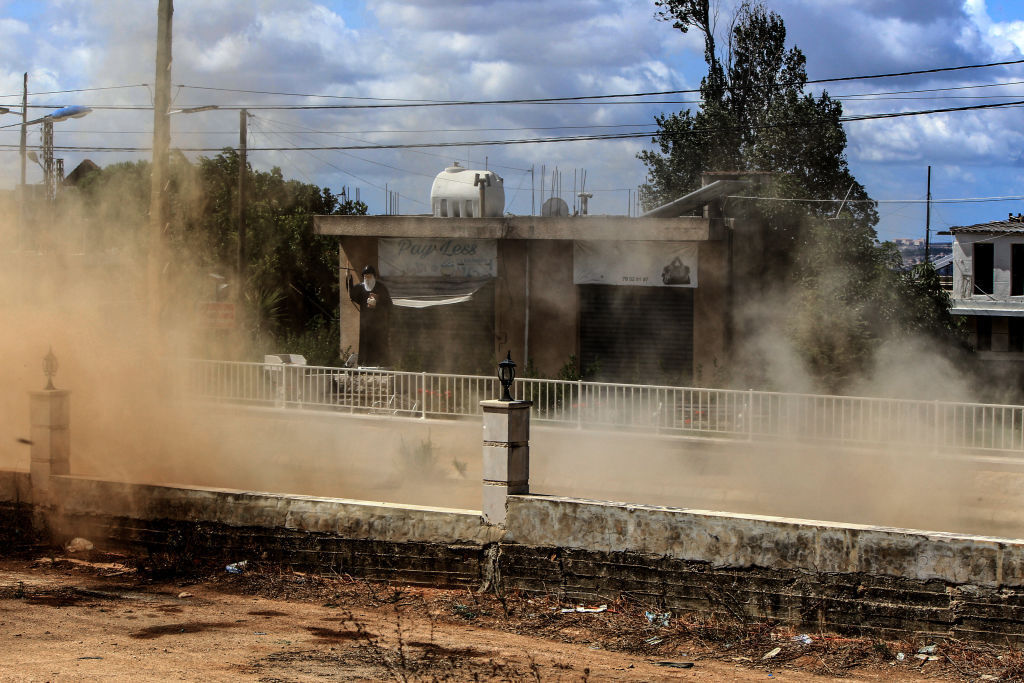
(49, 415)
(506, 465)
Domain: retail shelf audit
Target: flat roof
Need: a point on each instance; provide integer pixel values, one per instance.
(683, 229)
(990, 227)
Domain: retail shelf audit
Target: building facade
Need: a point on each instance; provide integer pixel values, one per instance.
(988, 287)
(612, 298)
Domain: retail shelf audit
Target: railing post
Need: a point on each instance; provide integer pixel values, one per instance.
(579, 404)
(506, 455)
(423, 395)
(750, 414)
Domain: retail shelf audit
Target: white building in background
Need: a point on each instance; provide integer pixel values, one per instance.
(988, 286)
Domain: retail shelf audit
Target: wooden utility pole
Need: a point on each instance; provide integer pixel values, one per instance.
(24, 125)
(928, 218)
(243, 169)
(158, 205)
(21, 187)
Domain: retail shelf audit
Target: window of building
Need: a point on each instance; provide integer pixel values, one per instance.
(1016, 330)
(983, 326)
(1017, 270)
(983, 265)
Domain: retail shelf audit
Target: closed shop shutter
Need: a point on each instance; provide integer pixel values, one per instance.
(636, 334)
(457, 338)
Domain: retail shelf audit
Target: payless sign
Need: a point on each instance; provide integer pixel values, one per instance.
(437, 258)
(636, 264)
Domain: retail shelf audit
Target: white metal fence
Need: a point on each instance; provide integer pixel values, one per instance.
(718, 413)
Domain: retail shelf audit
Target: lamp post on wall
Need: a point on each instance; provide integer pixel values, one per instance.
(507, 375)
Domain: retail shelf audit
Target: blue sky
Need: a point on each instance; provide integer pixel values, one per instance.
(424, 49)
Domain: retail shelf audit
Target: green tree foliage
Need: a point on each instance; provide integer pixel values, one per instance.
(291, 284)
(844, 291)
(754, 116)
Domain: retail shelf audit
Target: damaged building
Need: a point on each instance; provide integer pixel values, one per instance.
(646, 299)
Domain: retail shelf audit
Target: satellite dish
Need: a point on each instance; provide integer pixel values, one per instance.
(555, 206)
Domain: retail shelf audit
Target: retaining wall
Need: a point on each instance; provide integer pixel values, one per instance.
(16, 525)
(839, 577)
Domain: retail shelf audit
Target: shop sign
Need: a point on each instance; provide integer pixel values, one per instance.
(635, 263)
(437, 257)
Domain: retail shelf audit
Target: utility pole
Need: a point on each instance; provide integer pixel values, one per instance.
(928, 218)
(48, 180)
(158, 205)
(533, 200)
(243, 168)
(21, 188)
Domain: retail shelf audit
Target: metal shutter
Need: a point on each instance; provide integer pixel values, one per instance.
(457, 338)
(636, 334)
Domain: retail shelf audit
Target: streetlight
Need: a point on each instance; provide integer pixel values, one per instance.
(74, 111)
(507, 375)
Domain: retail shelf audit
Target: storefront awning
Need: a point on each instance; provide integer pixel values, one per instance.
(422, 292)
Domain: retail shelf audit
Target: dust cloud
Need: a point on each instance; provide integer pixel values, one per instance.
(75, 282)
(83, 295)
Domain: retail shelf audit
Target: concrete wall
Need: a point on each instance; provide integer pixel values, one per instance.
(352, 519)
(16, 525)
(744, 541)
(711, 314)
(814, 575)
(355, 253)
(541, 249)
(554, 306)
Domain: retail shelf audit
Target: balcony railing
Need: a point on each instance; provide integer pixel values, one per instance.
(687, 411)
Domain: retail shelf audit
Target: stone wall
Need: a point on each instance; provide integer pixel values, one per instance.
(835, 577)
(16, 526)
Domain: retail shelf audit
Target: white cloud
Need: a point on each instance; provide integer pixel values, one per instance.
(419, 49)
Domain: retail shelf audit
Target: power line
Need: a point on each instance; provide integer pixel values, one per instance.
(569, 138)
(918, 72)
(948, 200)
(442, 156)
(415, 103)
(61, 92)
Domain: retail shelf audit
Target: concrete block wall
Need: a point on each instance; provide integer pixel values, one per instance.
(407, 544)
(16, 511)
(845, 578)
(743, 541)
(838, 577)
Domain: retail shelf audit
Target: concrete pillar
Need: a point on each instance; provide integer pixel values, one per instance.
(506, 463)
(50, 417)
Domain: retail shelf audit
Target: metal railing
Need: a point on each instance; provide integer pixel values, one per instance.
(721, 413)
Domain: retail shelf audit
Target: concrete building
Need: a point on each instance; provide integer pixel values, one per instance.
(632, 299)
(988, 287)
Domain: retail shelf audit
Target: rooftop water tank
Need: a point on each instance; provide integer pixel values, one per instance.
(456, 192)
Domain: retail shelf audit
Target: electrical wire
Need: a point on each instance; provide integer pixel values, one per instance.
(429, 154)
(933, 200)
(837, 79)
(61, 92)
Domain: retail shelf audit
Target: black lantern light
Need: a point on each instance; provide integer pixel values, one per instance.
(506, 375)
(50, 369)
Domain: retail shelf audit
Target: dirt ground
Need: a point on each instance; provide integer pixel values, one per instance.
(106, 617)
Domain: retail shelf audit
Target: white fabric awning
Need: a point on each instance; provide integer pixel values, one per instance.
(423, 292)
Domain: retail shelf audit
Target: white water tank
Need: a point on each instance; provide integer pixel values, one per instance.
(456, 192)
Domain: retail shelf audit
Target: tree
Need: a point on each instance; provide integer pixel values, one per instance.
(754, 115)
(843, 291)
(291, 287)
